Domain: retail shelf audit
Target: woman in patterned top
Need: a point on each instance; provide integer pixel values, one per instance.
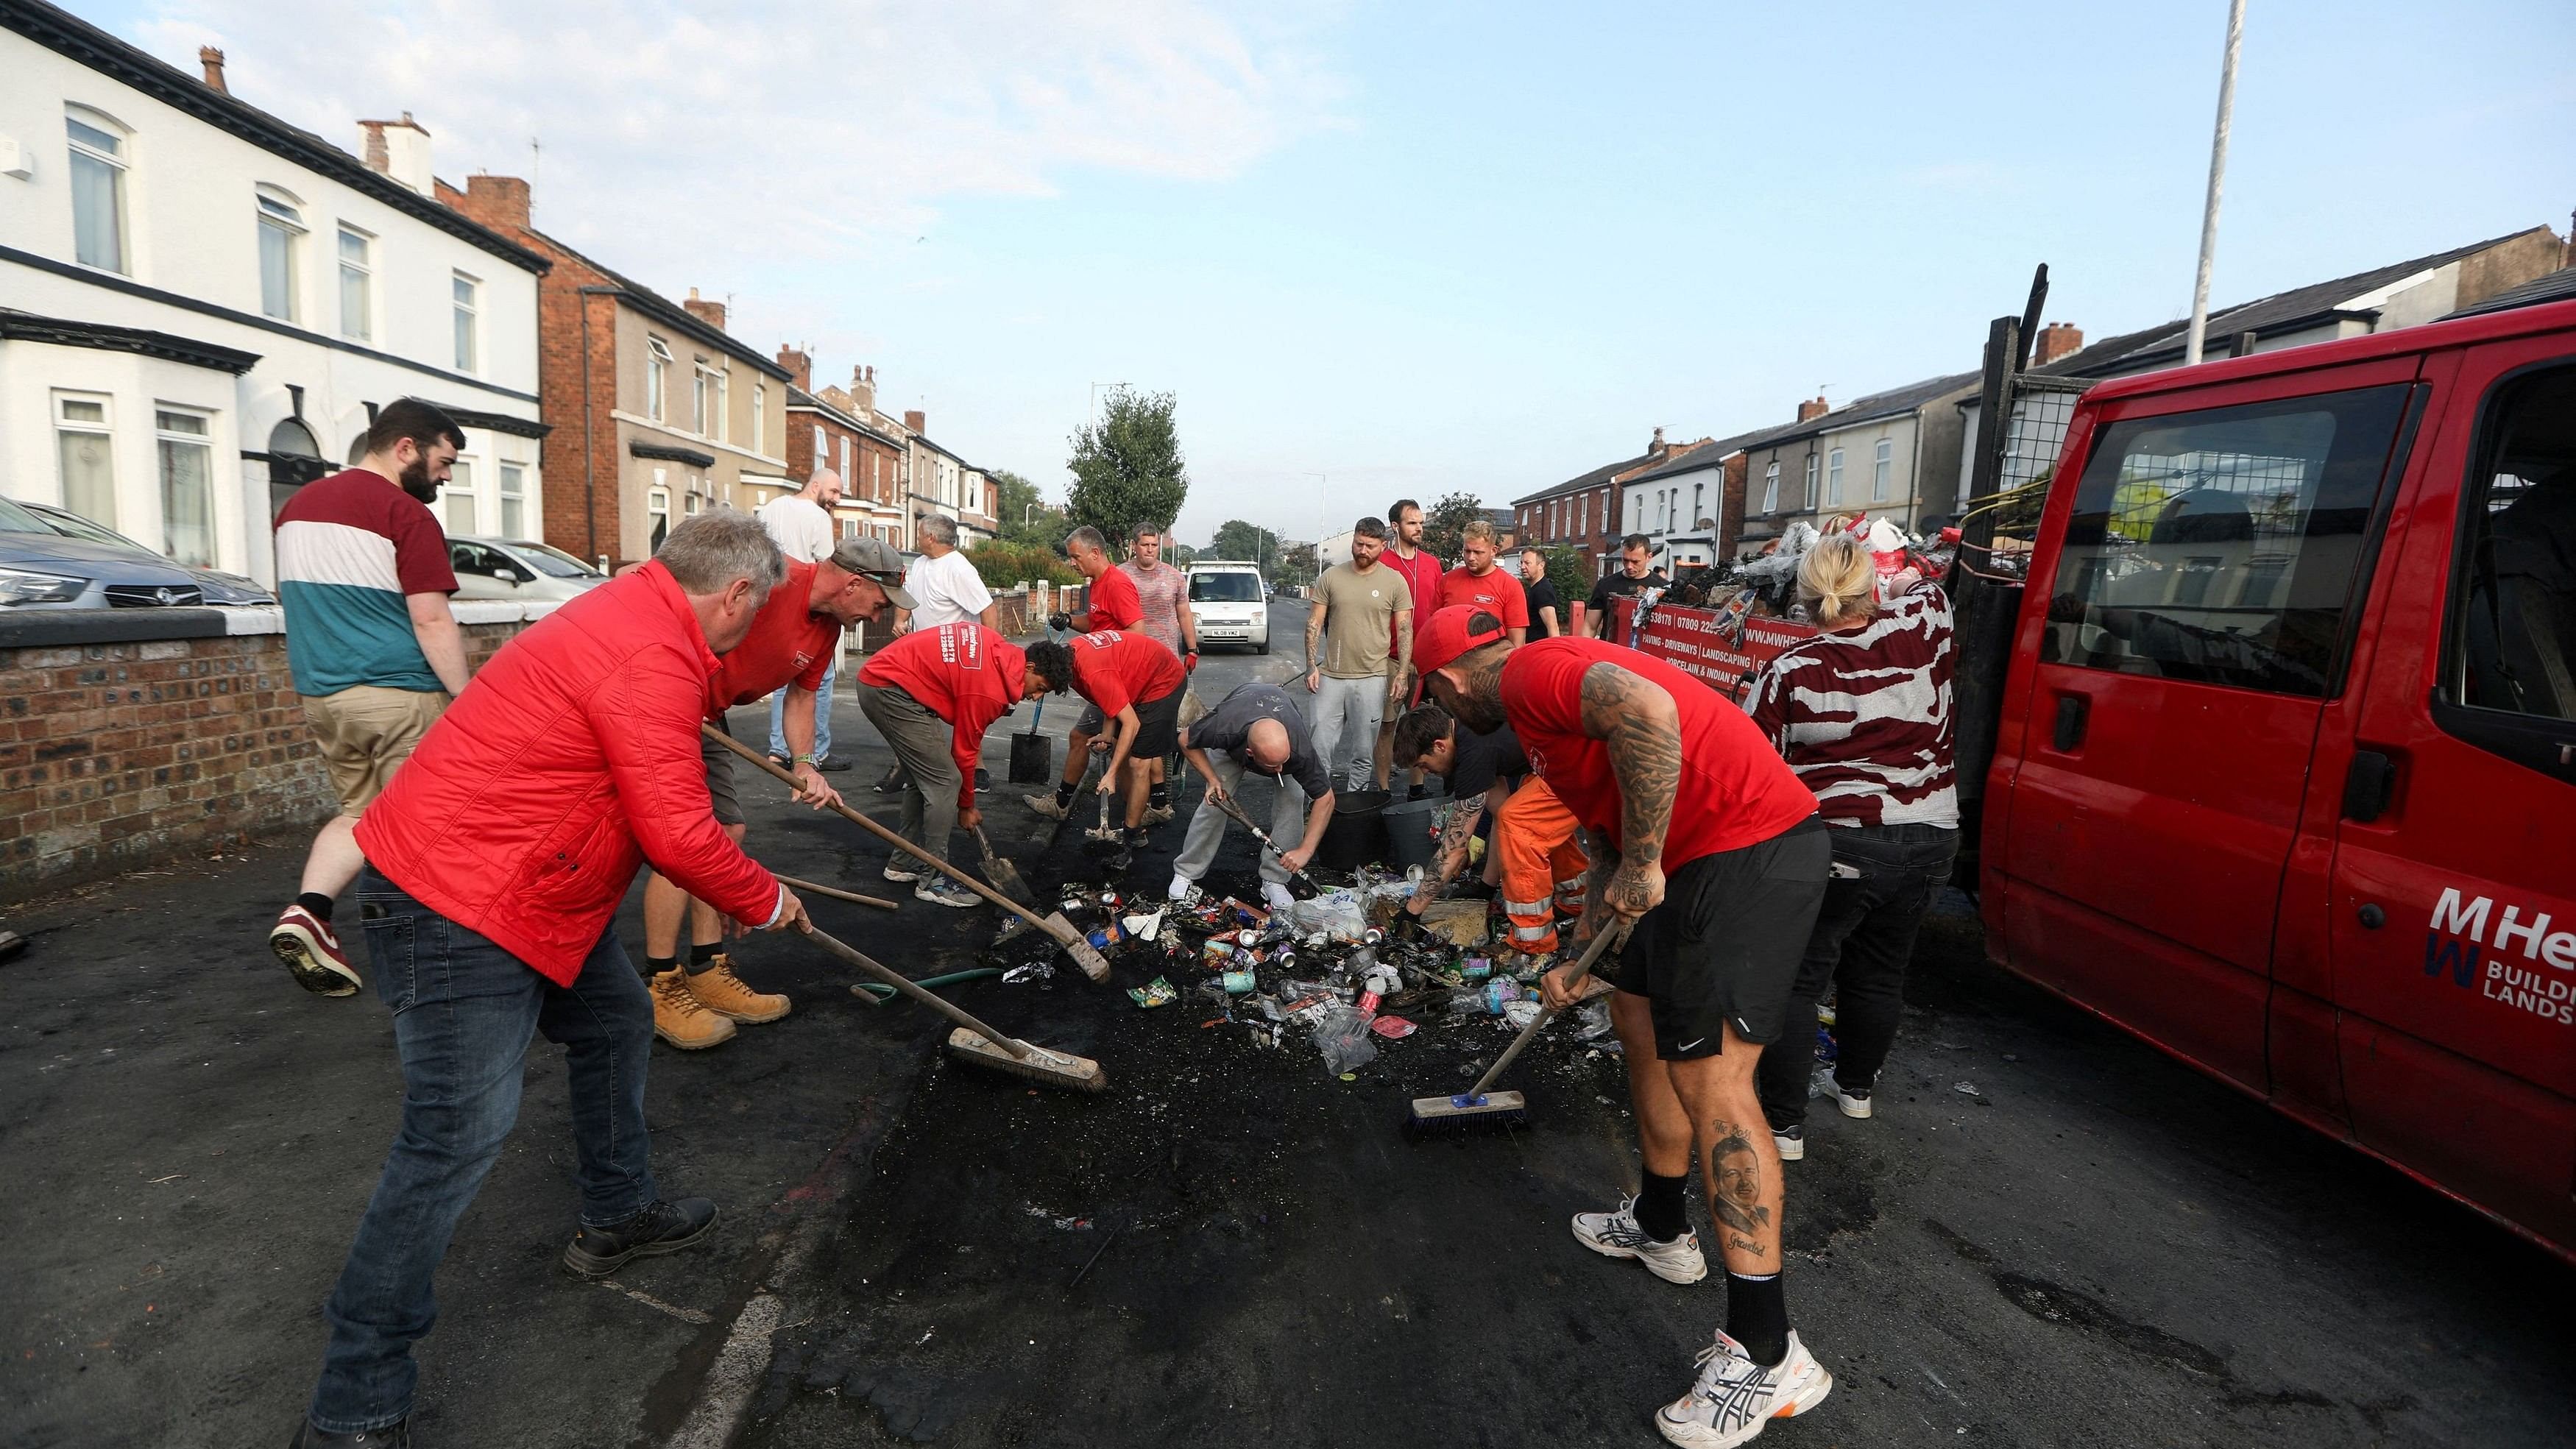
(1862, 713)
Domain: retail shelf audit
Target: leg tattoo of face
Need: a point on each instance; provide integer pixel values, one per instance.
(1738, 1204)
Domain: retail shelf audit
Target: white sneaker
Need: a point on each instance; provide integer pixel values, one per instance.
(1792, 1142)
(1182, 890)
(1735, 1398)
(1616, 1235)
(1854, 1104)
(905, 871)
(1275, 896)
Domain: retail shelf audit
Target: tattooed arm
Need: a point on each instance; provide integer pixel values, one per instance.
(1642, 729)
(1463, 818)
(1315, 647)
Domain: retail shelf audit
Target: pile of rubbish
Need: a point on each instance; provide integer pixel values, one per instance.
(1766, 585)
(1350, 970)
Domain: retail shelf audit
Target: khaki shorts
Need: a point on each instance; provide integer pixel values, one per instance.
(366, 733)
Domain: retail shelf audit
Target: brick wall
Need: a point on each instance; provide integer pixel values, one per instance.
(116, 753)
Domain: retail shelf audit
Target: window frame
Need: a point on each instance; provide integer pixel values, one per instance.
(1814, 470)
(450, 495)
(657, 377)
(466, 314)
(1834, 478)
(120, 165)
(364, 271)
(759, 413)
(280, 214)
(164, 438)
(1771, 488)
(104, 428)
(504, 472)
(1882, 468)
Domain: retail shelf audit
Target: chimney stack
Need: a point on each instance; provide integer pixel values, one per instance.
(863, 391)
(2056, 340)
(499, 202)
(400, 150)
(1815, 409)
(711, 313)
(800, 367)
(917, 420)
(213, 60)
(1657, 448)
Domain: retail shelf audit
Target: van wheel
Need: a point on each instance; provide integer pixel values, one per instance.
(1264, 646)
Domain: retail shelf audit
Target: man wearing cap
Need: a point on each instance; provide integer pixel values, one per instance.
(932, 693)
(794, 640)
(1702, 838)
(1258, 728)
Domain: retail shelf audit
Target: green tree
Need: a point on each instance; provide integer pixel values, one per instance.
(1297, 563)
(1127, 468)
(1025, 514)
(1246, 542)
(1445, 523)
(1569, 568)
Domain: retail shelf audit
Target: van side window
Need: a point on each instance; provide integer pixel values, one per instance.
(2511, 635)
(2225, 546)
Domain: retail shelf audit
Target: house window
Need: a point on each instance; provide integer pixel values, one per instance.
(1771, 486)
(1812, 460)
(845, 456)
(1698, 491)
(187, 465)
(759, 415)
(1834, 477)
(657, 506)
(97, 171)
(657, 374)
(711, 403)
(357, 284)
(461, 517)
(1879, 468)
(281, 232)
(85, 445)
(514, 500)
(702, 402)
(468, 293)
(822, 446)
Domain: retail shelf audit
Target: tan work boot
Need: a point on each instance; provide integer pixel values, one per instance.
(720, 991)
(680, 1019)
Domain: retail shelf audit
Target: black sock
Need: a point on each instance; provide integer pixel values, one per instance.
(703, 954)
(1063, 793)
(1757, 1316)
(656, 965)
(316, 902)
(1159, 796)
(1659, 1207)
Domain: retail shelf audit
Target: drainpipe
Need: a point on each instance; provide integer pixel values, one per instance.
(589, 457)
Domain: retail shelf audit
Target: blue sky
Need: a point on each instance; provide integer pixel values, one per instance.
(1426, 247)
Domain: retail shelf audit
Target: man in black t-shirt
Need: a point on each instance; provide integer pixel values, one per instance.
(1632, 575)
(1546, 614)
(1534, 851)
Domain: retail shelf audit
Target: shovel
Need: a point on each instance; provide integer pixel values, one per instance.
(1084, 954)
(1004, 875)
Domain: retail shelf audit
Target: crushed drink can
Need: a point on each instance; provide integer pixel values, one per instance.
(1238, 983)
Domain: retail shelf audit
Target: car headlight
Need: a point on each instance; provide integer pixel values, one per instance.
(19, 586)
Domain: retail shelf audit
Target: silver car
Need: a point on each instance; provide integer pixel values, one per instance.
(516, 568)
(44, 567)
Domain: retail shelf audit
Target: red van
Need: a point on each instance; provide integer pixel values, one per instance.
(2283, 731)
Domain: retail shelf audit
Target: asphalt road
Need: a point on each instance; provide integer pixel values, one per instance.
(2099, 1247)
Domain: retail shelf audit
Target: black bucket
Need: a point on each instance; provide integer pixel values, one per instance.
(1408, 831)
(1357, 834)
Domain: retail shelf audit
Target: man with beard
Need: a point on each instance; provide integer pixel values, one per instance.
(374, 650)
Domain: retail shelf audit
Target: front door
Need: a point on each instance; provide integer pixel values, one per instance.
(2453, 896)
(2215, 546)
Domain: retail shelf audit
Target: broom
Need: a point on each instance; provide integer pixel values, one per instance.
(973, 1041)
(1084, 954)
(1472, 1109)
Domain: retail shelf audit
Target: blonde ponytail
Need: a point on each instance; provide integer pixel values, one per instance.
(1839, 580)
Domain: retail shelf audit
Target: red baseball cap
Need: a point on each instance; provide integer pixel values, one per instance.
(1448, 635)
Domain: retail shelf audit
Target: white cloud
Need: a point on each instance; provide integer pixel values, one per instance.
(679, 143)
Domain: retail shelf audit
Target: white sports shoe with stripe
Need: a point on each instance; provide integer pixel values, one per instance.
(1735, 1398)
(1616, 1235)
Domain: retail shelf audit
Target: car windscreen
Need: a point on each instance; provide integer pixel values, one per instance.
(14, 519)
(548, 562)
(1225, 588)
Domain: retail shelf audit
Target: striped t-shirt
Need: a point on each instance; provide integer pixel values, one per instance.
(349, 547)
(1863, 716)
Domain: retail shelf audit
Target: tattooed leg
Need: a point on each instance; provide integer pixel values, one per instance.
(1739, 1166)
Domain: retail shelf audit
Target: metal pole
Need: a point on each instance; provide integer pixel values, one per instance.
(2217, 175)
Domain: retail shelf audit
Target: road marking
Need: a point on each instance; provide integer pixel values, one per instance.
(738, 1370)
(685, 1315)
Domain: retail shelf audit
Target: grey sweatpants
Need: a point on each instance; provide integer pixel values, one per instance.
(920, 741)
(1207, 824)
(1345, 719)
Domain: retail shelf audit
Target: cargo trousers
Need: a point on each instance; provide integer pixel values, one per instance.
(1544, 865)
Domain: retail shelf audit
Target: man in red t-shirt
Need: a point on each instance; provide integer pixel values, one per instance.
(1479, 583)
(793, 641)
(1421, 570)
(1703, 839)
(932, 693)
(1117, 604)
(1135, 683)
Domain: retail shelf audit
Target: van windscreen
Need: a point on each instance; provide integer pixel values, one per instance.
(1225, 588)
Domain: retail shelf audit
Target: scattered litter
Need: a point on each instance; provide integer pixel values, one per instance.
(1157, 992)
(1393, 1028)
(1033, 971)
(1967, 1089)
(1144, 928)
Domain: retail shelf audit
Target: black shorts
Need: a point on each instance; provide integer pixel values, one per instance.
(1723, 948)
(720, 779)
(1093, 722)
(1158, 726)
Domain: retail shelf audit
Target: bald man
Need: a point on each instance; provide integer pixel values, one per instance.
(1256, 728)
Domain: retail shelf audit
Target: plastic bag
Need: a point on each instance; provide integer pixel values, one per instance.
(1337, 914)
(1342, 1035)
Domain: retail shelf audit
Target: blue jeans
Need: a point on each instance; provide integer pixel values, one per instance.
(464, 1012)
(822, 716)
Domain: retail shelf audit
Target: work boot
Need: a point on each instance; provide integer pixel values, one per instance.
(665, 1227)
(311, 950)
(1048, 805)
(720, 991)
(1158, 814)
(396, 1435)
(891, 782)
(681, 1019)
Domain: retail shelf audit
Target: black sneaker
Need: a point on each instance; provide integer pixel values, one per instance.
(665, 1227)
(831, 764)
(1137, 839)
(892, 781)
(784, 763)
(392, 1436)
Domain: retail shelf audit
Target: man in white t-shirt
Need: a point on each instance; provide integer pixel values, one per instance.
(946, 590)
(800, 524)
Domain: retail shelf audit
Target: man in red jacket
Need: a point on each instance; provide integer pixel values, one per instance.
(932, 693)
(1702, 837)
(496, 861)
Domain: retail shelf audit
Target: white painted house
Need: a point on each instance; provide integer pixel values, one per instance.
(200, 304)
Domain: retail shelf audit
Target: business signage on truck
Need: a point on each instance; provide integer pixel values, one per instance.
(1716, 645)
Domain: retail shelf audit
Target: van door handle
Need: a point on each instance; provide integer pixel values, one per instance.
(2367, 786)
(2073, 710)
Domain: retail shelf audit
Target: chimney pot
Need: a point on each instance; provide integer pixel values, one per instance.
(1816, 408)
(213, 60)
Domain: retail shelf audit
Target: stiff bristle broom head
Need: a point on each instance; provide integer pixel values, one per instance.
(1044, 1067)
(1444, 1116)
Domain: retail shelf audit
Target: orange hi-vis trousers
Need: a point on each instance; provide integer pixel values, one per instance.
(1543, 864)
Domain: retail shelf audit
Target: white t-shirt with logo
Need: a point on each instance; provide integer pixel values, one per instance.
(945, 590)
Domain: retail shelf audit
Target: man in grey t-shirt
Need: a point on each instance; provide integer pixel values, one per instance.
(1258, 728)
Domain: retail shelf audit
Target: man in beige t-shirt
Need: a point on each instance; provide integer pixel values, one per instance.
(1363, 606)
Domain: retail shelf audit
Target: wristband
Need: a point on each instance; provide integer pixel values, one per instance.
(804, 759)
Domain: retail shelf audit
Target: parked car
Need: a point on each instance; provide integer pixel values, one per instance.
(512, 568)
(43, 567)
(214, 585)
(1230, 605)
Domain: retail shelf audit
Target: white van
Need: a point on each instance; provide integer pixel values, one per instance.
(1229, 604)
